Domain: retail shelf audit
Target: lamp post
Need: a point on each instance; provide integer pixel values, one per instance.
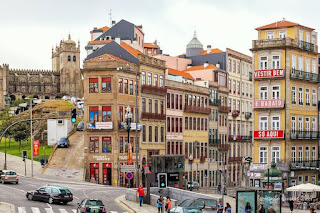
(191, 159)
(128, 117)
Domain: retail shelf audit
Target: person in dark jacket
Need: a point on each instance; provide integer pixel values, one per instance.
(291, 205)
(248, 208)
(261, 209)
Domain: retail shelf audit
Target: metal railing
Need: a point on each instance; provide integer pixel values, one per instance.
(299, 74)
(224, 109)
(215, 102)
(155, 116)
(214, 141)
(153, 89)
(307, 163)
(235, 113)
(300, 135)
(197, 109)
(240, 138)
(306, 45)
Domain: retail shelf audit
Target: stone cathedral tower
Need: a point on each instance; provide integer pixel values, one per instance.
(66, 61)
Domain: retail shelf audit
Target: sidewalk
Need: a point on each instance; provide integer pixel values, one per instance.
(6, 208)
(134, 207)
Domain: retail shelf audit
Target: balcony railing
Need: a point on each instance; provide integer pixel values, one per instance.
(235, 159)
(248, 115)
(215, 102)
(306, 46)
(214, 141)
(235, 113)
(308, 164)
(240, 138)
(202, 159)
(154, 116)
(153, 90)
(224, 109)
(302, 135)
(189, 108)
(223, 147)
(308, 76)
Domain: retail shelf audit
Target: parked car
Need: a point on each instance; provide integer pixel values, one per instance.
(80, 104)
(8, 176)
(63, 142)
(91, 205)
(80, 126)
(66, 97)
(206, 205)
(51, 194)
(180, 209)
(193, 185)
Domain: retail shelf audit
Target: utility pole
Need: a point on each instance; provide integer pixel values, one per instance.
(31, 137)
(137, 142)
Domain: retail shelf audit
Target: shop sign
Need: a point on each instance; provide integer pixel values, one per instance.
(104, 125)
(273, 103)
(101, 157)
(258, 167)
(268, 134)
(272, 73)
(126, 157)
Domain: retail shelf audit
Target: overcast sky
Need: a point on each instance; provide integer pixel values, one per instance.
(29, 29)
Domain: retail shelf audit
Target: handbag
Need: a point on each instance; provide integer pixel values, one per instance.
(166, 206)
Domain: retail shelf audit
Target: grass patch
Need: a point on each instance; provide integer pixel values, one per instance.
(45, 151)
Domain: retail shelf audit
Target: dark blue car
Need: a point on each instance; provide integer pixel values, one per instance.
(63, 142)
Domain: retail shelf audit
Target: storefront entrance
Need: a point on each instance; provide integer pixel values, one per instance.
(94, 172)
(106, 174)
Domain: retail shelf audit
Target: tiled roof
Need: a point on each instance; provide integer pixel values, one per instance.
(281, 24)
(100, 42)
(201, 67)
(105, 28)
(151, 45)
(215, 50)
(131, 50)
(180, 73)
(107, 57)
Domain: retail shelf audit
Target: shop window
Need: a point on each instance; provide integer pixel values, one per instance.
(106, 145)
(93, 85)
(94, 144)
(106, 113)
(106, 85)
(94, 114)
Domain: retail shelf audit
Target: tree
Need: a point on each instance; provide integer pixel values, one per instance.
(20, 132)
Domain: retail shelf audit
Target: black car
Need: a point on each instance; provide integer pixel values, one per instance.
(91, 205)
(63, 142)
(80, 126)
(51, 194)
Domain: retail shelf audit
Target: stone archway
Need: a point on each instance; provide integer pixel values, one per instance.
(36, 96)
(58, 97)
(46, 97)
(12, 97)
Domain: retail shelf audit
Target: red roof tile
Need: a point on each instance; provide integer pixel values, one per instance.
(201, 67)
(151, 45)
(105, 28)
(180, 73)
(281, 24)
(213, 51)
(130, 49)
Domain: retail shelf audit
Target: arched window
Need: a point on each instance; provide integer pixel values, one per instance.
(74, 58)
(69, 58)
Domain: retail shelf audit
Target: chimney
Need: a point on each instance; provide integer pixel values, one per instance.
(218, 65)
(113, 23)
(117, 39)
(208, 49)
(140, 27)
(205, 65)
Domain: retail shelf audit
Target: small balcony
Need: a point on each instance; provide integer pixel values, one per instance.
(235, 113)
(305, 165)
(153, 116)
(304, 135)
(215, 102)
(196, 109)
(248, 115)
(306, 46)
(154, 90)
(223, 147)
(214, 141)
(202, 159)
(302, 75)
(224, 109)
(240, 138)
(235, 159)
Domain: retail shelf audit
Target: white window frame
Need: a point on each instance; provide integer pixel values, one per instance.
(313, 153)
(270, 35)
(293, 153)
(263, 94)
(263, 62)
(307, 92)
(276, 61)
(300, 94)
(314, 97)
(294, 61)
(276, 92)
(307, 153)
(308, 37)
(275, 122)
(300, 63)
(293, 95)
(314, 66)
(263, 124)
(300, 123)
(282, 34)
(314, 124)
(293, 123)
(307, 122)
(264, 151)
(300, 153)
(275, 153)
(307, 68)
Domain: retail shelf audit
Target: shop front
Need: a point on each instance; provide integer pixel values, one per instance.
(256, 174)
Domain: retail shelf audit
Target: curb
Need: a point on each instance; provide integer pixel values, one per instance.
(124, 205)
(53, 151)
(11, 206)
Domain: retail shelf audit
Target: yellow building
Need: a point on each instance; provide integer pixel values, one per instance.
(286, 122)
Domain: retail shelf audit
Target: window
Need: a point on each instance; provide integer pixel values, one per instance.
(313, 68)
(150, 105)
(162, 107)
(155, 80)
(149, 78)
(263, 93)
(143, 77)
(238, 87)
(229, 85)
(314, 97)
(106, 145)
(300, 63)
(242, 88)
(143, 104)
(172, 125)
(307, 97)
(234, 66)
(263, 63)
(314, 124)
(121, 145)
(94, 144)
(307, 124)
(156, 106)
(300, 124)
(293, 95)
(161, 81)
(282, 34)
(275, 62)
(177, 101)
(300, 96)
(229, 65)
(275, 153)
(293, 123)
(156, 134)
(186, 122)
(180, 101)
(177, 124)
(293, 61)
(106, 113)
(313, 153)
(180, 124)
(162, 134)
(150, 133)
(307, 65)
(270, 35)
(94, 114)
(74, 58)
(120, 85)
(276, 92)
(263, 123)
(293, 154)
(198, 124)
(263, 155)
(190, 123)
(93, 85)
(275, 123)
(106, 85)
(234, 86)
(238, 67)
(126, 86)
(307, 153)
(168, 100)
(172, 101)
(300, 153)
(168, 125)
(194, 124)
(69, 58)
(131, 87)
(306, 178)
(144, 133)
(121, 113)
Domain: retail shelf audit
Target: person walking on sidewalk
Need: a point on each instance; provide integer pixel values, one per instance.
(228, 208)
(140, 193)
(220, 207)
(168, 205)
(160, 204)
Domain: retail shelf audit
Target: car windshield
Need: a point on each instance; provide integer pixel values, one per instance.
(11, 173)
(65, 191)
(191, 210)
(63, 139)
(210, 203)
(80, 124)
(94, 203)
(186, 203)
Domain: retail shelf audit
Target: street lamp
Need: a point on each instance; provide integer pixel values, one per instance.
(31, 134)
(128, 117)
(190, 160)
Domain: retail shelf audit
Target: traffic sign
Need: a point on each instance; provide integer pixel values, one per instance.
(128, 168)
(129, 175)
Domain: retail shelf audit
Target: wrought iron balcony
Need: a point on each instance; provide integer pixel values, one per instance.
(189, 108)
(224, 109)
(154, 116)
(153, 90)
(223, 147)
(302, 75)
(214, 141)
(240, 138)
(235, 113)
(304, 135)
(215, 102)
(305, 165)
(235, 159)
(248, 115)
(306, 46)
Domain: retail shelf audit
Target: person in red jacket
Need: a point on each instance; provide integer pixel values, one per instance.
(140, 193)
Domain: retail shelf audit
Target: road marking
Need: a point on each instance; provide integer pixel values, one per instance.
(14, 188)
(33, 185)
(85, 194)
(49, 210)
(22, 210)
(76, 197)
(49, 205)
(35, 210)
(63, 211)
(74, 210)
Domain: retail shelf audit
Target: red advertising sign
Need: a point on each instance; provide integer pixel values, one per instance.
(36, 147)
(272, 73)
(273, 103)
(268, 134)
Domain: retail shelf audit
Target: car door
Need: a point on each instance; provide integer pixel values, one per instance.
(46, 194)
(38, 193)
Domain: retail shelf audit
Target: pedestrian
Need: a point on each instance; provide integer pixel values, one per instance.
(220, 207)
(261, 209)
(271, 210)
(160, 204)
(42, 162)
(219, 189)
(248, 208)
(290, 201)
(168, 205)
(46, 161)
(312, 210)
(140, 193)
(228, 208)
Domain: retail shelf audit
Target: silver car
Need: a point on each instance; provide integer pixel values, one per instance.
(180, 209)
(8, 176)
(193, 185)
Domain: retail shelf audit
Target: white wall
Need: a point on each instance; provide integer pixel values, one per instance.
(56, 131)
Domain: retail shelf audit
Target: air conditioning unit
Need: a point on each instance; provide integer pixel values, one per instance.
(60, 122)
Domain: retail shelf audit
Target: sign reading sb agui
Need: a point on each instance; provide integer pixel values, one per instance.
(272, 73)
(268, 134)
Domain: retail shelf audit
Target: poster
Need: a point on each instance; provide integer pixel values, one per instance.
(244, 197)
(36, 147)
(269, 198)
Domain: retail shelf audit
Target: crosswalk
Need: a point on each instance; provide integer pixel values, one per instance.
(49, 210)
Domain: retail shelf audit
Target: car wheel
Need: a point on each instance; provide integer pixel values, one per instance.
(65, 203)
(50, 200)
(17, 182)
(30, 197)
